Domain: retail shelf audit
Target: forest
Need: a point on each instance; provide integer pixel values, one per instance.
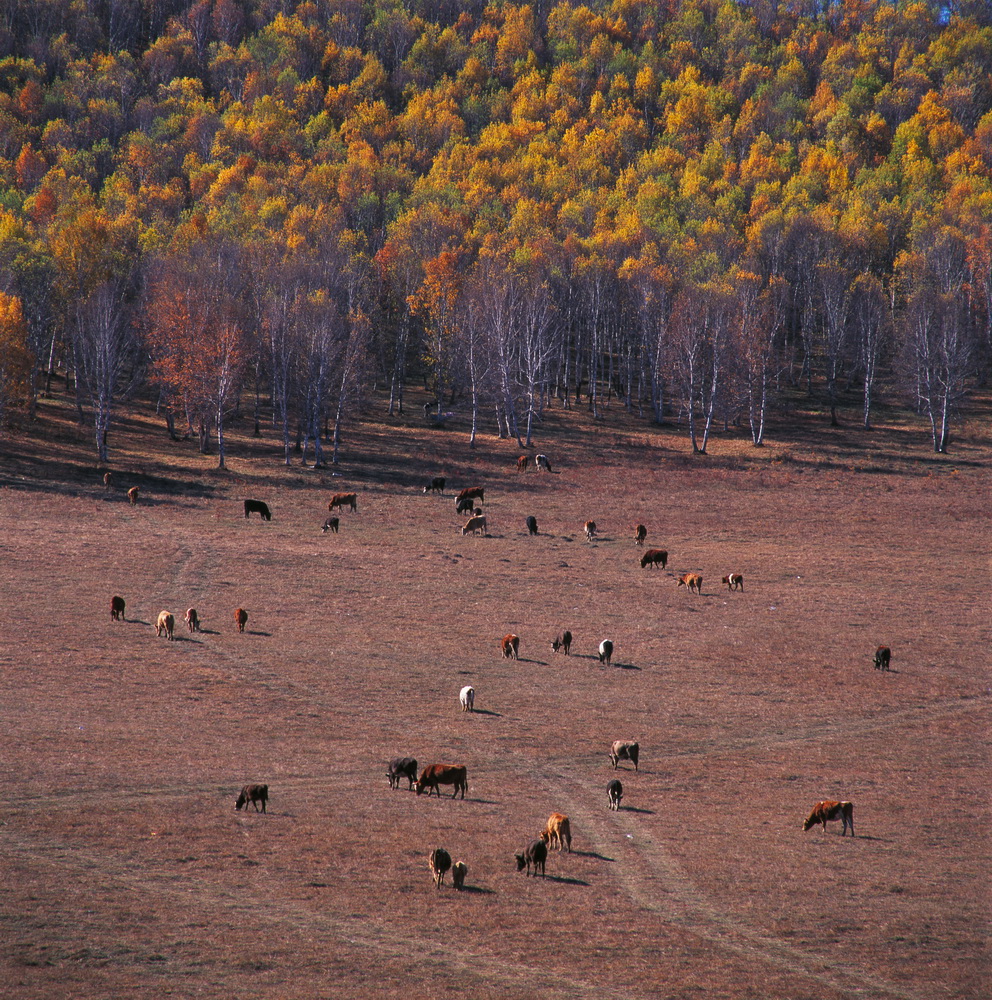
(679, 207)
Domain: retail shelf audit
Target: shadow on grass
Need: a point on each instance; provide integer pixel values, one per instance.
(477, 890)
(486, 711)
(565, 880)
(634, 809)
(592, 854)
(250, 632)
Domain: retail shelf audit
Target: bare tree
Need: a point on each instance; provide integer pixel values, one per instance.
(869, 305)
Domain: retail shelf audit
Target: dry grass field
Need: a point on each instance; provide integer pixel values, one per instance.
(127, 872)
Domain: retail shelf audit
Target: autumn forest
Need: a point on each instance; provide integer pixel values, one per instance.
(684, 208)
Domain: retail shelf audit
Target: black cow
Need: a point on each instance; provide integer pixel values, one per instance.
(532, 525)
(535, 853)
(253, 794)
(402, 767)
(259, 507)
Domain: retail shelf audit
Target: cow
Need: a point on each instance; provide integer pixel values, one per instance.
(522, 462)
(436, 485)
(117, 609)
(532, 524)
(883, 656)
(458, 872)
(510, 646)
(562, 641)
(590, 529)
(606, 651)
(557, 832)
(536, 854)
(825, 811)
(192, 620)
(541, 462)
(343, 500)
(467, 698)
(435, 775)
(733, 581)
(259, 507)
(640, 533)
(472, 493)
(691, 582)
(253, 794)
(440, 861)
(166, 623)
(108, 478)
(331, 524)
(624, 750)
(654, 557)
(402, 767)
(132, 495)
(614, 793)
(473, 524)
(240, 618)
(466, 506)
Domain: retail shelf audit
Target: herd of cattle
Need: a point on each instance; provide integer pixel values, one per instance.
(557, 832)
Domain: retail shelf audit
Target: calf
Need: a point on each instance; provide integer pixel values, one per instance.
(165, 623)
(606, 651)
(510, 646)
(343, 500)
(467, 698)
(654, 557)
(883, 656)
(640, 533)
(192, 620)
(474, 524)
(691, 581)
(466, 506)
(259, 507)
(435, 775)
(402, 767)
(562, 641)
(541, 461)
(590, 529)
(734, 581)
(522, 462)
(240, 618)
(108, 478)
(614, 793)
(532, 525)
(440, 861)
(253, 794)
(535, 853)
(331, 524)
(625, 750)
(472, 493)
(117, 609)
(458, 872)
(557, 832)
(436, 485)
(825, 811)
(132, 495)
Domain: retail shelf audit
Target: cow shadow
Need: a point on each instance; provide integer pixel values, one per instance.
(539, 663)
(634, 809)
(478, 890)
(485, 802)
(136, 621)
(565, 880)
(625, 666)
(209, 631)
(592, 854)
(250, 632)
(486, 711)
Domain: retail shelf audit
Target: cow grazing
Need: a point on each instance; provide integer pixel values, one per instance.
(132, 495)
(614, 793)
(343, 500)
(117, 609)
(532, 524)
(590, 529)
(522, 462)
(402, 767)
(435, 775)
(654, 557)
(640, 533)
(883, 656)
(606, 651)
(541, 462)
(472, 493)
(733, 581)
(241, 618)
(440, 861)
(108, 478)
(562, 641)
(253, 794)
(536, 854)
(331, 524)
(467, 698)
(624, 750)
(824, 812)
(192, 620)
(166, 623)
(259, 507)
(557, 832)
(458, 872)
(691, 581)
(436, 485)
(510, 646)
(466, 506)
(474, 524)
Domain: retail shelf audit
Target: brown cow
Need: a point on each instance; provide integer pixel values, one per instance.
(473, 524)
(435, 775)
(829, 810)
(883, 656)
(108, 478)
(691, 581)
(733, 581)
(192, 620)
(510, 646)
(240, 618)
(132, 495)
(166, 623)
(253, 794)
(117, 609)
(440, 861)
(654, 557)
(472, 493)
(562, 641)
(557, 832)
(522, 462)
(640, 533)
(343, 500)
(624, 750)
(590, 529)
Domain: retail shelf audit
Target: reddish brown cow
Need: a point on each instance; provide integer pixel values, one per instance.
(733, 581)
(435, 775)
(252, 794)
(132, 495)
(640, 533)
(557, 832)
(510, 646)
(590, 529)
(241, 618)
(472, 493)
(192, 620)
(522, 462)
(117, 609)
(343, 500)
(824, 812)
